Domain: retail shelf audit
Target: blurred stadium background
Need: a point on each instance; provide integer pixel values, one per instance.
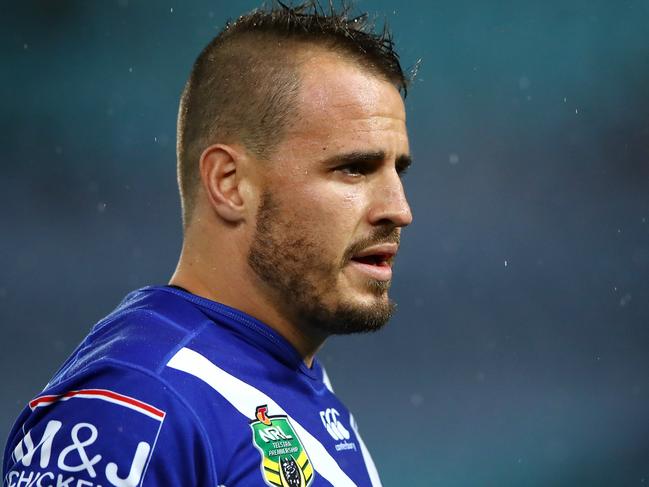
(520, 352)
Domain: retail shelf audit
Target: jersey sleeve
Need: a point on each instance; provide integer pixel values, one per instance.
(112, 425)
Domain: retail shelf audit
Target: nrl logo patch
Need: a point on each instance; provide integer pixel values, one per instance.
(284, 462)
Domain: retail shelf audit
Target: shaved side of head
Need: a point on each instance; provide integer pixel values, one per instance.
(244, 85)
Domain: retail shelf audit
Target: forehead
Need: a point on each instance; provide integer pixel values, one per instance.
(343, 104)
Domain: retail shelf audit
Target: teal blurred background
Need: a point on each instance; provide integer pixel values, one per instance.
(519, 355)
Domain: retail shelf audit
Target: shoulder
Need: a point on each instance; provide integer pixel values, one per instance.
(143, 332)
(111, 425)
(111, 415)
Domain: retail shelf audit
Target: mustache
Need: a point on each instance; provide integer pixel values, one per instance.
(378, 237)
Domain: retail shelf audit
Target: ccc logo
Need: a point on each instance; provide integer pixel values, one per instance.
(330, 421)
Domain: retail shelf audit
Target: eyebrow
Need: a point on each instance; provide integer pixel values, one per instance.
(402, 162)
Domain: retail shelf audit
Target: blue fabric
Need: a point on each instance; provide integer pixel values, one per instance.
(117, 414)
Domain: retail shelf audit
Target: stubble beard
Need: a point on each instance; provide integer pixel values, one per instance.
(287, 256)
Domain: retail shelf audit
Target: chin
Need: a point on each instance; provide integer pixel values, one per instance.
(363, 315)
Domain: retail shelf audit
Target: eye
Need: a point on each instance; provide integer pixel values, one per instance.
(402, 168)
(354, 170)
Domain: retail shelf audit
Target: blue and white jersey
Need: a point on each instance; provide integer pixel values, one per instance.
(173, 389)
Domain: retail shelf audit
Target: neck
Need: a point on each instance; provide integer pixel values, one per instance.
(231, 282)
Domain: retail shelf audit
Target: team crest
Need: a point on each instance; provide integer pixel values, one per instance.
(284, 462)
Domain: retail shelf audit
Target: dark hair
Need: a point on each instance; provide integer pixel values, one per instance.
(243, 84)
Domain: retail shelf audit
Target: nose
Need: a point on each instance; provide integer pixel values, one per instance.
(389, 203)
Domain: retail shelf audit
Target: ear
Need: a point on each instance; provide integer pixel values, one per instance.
(221, 169)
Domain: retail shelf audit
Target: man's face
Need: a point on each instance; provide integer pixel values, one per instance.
(332, 204)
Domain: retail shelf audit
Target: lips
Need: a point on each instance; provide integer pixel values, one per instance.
(379, 255)
(376, 261)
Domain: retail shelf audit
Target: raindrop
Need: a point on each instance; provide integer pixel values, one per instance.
(626, 299)
(453, 158)
(416, 400)
(101, 207)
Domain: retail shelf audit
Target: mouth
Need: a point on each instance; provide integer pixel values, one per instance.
(379, 260)
(376, 261)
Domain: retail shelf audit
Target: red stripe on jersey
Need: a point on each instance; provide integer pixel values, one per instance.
(97, 394)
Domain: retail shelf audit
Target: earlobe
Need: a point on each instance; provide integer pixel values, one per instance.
(220, 167)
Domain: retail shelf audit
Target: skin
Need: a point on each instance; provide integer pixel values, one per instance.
(309, 198)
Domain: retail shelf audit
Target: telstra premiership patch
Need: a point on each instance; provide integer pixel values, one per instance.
(284, 461)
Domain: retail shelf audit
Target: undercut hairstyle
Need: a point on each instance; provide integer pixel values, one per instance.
(244, 84)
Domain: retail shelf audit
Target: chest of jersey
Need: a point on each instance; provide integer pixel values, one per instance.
(282, 433)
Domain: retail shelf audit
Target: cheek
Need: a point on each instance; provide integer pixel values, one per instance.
(352, 201)
(330, 209)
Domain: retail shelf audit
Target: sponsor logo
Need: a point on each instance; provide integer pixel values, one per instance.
(284, 461)
(69, 454)
(336, 429)
(261, 415)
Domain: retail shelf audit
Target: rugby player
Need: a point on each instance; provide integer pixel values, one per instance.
(291, 146)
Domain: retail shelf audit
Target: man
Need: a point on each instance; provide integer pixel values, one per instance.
(291, 144)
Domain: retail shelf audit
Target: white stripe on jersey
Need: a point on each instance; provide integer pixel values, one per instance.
(369, 463)
(325, 379)
(246, 398)
(367, 458)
